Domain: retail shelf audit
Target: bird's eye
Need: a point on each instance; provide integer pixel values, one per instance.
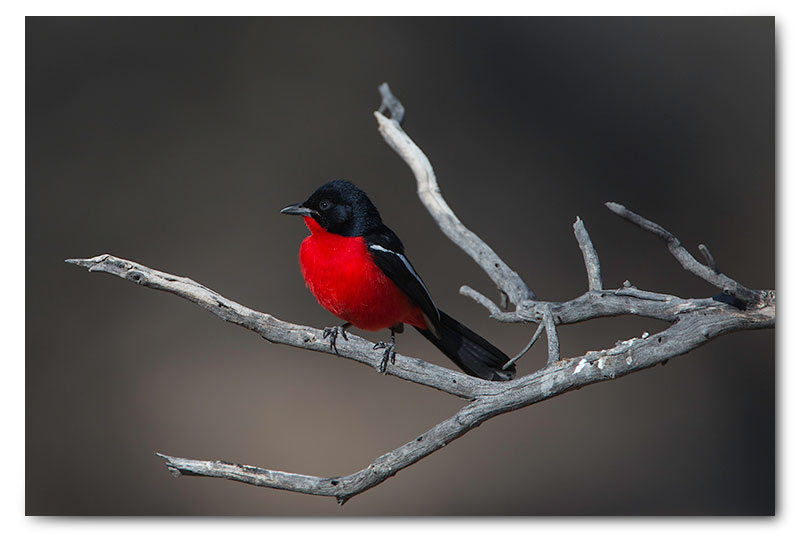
(324, 205)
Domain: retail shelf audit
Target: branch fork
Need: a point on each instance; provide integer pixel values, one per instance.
(692, 322)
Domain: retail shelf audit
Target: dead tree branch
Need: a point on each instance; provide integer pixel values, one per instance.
(590, 258)
(709, 273)
(507, 281)
(274, 330)
(693, 322)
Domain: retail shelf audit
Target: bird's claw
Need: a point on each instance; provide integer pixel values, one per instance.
(388, 354)
(333, 332)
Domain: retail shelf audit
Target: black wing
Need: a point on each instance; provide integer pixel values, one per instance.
(386, 250)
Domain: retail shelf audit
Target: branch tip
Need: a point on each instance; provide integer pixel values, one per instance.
(494, 311)
(81, 262)
(480, 298)
(169, 463)
(590, 259)
(710, 261)
(749, 297)
(431, 197)
(639, 220)
(390, 103)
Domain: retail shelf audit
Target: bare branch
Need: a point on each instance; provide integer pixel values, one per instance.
(345, 487)
(391, 104)
(687, 261)
(629, 290)
(701, 320)
(536, 335)
(693, 322)
(494, 311)
(553, 347)
(274, 330)
(712, 264)
(506, 279)
(589, 255)
(625, 301)
(593, 367)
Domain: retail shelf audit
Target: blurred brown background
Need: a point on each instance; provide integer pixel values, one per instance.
(174, 143)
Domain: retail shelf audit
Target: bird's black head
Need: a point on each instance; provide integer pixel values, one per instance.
(340, 207)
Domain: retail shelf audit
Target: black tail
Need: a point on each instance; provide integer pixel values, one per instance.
(472, 353)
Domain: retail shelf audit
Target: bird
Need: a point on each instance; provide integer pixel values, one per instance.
(357, 269)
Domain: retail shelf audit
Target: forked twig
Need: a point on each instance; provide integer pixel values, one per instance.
(693, 322)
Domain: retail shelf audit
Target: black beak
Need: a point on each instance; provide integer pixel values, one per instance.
(298, 209)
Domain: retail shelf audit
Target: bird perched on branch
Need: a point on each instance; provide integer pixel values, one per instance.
(356, 268)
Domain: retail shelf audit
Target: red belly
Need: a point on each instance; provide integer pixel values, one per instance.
(344, 279)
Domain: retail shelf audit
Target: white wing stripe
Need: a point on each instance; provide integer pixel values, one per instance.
(380, 248)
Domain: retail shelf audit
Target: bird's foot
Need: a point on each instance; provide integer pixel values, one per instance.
(388, 354)
(333, 332)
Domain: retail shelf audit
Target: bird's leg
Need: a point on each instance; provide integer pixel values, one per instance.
(335, 331)
(388, 349)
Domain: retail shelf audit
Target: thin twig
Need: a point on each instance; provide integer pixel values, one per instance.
(712, 264)
(536, 335)
(504, 278)
(494, 311)
(729, 286)
(553, 347)
(590, 258)
(391, 104)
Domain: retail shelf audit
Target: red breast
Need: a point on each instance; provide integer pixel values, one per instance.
(341, 274)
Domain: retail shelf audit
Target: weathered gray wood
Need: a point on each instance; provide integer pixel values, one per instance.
(693, 322)
(627, 357)
(687, 260)
(553, 346)
(507, 281)
(390, 104)
(710, 261)
(274, 330)
(536, 335)
(590, 258)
